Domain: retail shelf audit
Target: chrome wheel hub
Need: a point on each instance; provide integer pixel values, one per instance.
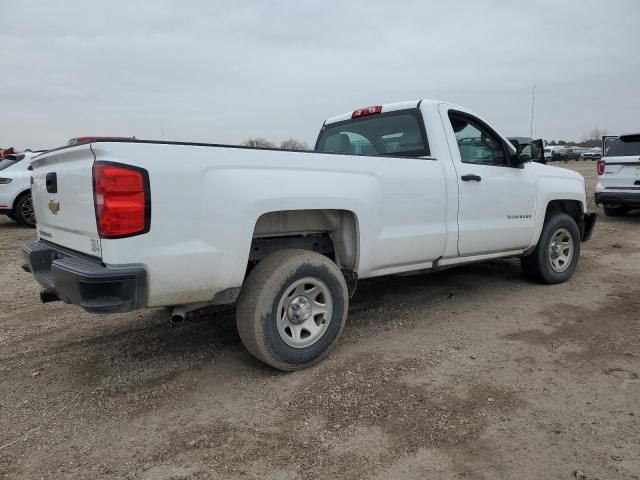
(299, 309)
(304, 312)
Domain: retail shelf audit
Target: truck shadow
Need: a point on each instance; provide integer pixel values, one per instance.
(632, 216)
(154, 351)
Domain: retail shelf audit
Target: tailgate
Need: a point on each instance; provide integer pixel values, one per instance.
(621, 172)
(62, 193)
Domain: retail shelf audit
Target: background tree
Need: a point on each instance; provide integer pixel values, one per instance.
(259, 142)
(294, 144)
(594, 134)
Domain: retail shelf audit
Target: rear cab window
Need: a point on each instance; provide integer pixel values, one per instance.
(395, 133)
(625, 146)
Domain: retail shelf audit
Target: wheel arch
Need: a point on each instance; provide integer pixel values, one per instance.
(302, 228)
(18, 197)
(571, 206)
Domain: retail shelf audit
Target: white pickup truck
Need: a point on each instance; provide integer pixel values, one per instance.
(411, 186)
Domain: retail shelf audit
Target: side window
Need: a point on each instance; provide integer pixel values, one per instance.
(476, 143)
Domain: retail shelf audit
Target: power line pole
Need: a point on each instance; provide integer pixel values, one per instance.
(533, 101)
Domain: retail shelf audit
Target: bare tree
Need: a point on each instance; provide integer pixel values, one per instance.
(594, 134)
(259, 142)
(294, 144)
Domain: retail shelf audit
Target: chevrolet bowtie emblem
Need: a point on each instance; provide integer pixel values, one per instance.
(54, 207)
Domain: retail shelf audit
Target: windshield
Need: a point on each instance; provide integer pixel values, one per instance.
(396, 133)
(625, 146)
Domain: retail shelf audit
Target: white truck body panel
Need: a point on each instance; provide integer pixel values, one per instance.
(411, 213)
(74, 224)
(397, 202)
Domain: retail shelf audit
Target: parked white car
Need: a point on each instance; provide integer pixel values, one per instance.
(15, 188)
(287, 234)
(618, 187)
(592, 154)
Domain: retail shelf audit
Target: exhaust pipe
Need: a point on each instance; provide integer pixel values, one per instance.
(179, 312)
(47, 296)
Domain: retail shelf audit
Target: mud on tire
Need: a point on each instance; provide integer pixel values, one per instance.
(280, 299)
(556, 256)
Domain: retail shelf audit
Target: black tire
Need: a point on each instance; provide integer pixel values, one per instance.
(614, 211)
(538, 265)
(24, 211)
(12, 217)
(272, 282)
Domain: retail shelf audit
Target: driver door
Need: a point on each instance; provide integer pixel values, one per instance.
(496, 202)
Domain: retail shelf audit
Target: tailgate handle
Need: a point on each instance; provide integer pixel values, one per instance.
(52, 182)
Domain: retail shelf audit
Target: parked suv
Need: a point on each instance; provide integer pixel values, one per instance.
(559, 154)
(618, 188)
(15, 188)
(591, 154)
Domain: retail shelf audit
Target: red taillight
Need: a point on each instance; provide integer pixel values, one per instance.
(122, 200)
(366, 111)
(601, 166)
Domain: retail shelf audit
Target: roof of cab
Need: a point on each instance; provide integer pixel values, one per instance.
(387, 107)
(630, 136)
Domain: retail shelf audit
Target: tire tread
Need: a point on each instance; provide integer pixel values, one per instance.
(255, 301)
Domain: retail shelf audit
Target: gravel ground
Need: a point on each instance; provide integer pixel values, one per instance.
(470, 373)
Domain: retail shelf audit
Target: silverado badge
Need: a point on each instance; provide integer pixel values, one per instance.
(54, 207)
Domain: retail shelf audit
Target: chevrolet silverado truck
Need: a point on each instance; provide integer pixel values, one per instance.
(415, 186)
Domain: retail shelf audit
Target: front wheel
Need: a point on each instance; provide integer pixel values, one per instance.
(24, 212)
(292, 309)
(556, 256)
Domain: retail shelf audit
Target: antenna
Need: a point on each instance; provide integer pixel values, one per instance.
(533, 102)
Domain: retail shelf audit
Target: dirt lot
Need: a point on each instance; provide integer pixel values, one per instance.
(469, 373)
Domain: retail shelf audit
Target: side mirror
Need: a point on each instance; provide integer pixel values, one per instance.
(539, 151)
(522, 155)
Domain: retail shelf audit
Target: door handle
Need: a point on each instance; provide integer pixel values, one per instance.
(471, 177)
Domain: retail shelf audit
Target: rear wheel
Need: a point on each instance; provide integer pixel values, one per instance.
(556, 256)
(12, 217)
(25, 215)
(292, 309)
(614, 211)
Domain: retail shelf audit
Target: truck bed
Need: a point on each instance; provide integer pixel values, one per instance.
(207, 198)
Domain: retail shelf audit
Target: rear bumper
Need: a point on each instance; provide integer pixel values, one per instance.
(84, 281)
(630, 198)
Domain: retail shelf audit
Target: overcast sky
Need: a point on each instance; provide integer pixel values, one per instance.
(225, 71)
